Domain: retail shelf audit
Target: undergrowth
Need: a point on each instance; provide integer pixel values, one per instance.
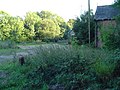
(65, 67)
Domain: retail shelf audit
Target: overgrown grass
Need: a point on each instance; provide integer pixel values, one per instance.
(8, 48)
(62, 66)
(10, 51)
(7, 44)
(15, 76)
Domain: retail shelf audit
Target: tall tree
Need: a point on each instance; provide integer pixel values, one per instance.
(117, 3)
(11, 28)
(16, 29)
(59, 21)
(31, 19)
(47, 30)
(81, 30)
(4, 25)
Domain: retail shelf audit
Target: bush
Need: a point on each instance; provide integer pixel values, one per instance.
(104, 68)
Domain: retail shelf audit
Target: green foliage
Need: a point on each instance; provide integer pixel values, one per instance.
(72, 68)
(81, 30)
(31, 19)
(70, 23)
(48, 30)
(58, 21)
(46, 15)
(111, 34)
(61, 66)
(17, 29)
(69, 29)
(4, 26)
(2, 13)
(17, 76)
(104, 68)
(117, 3)
(58, 64)
(110, 37)
(45, 87)
(11, 28)
(36, 26)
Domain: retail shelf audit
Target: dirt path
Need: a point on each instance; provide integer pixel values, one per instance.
(4, 58)
(28, 51)
(28, 47)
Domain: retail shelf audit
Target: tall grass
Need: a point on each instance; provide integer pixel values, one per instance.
(66, 67)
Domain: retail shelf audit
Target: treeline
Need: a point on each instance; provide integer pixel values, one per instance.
(42, 25)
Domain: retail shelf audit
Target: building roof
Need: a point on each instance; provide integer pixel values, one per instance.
(106, 12)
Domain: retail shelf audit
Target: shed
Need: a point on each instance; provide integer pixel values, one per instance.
(105, 16)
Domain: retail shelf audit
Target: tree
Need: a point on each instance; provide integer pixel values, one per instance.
(46, 15)
(11, 28)
(61, 24)
(2, 13)
(17, 29)
(46, 30)
(81, 30)
(70, 23)
(59, 21)
(35, 26)
(117, 3)
(4, 25)
(69, 27)
(31, 19)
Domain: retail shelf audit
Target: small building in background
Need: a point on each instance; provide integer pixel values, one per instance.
(70, 34)
(104, 17)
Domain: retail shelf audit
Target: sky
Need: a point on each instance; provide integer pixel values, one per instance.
(67, 9)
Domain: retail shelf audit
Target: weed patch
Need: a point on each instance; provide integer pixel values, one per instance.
(59, 66)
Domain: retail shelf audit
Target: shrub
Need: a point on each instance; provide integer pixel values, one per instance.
(104, 68)
(116, 57)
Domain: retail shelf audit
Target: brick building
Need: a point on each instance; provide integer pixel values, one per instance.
(104, 16)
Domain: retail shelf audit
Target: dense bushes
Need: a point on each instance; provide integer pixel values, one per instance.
(73, 69)
(68, 68)
(59, 65)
